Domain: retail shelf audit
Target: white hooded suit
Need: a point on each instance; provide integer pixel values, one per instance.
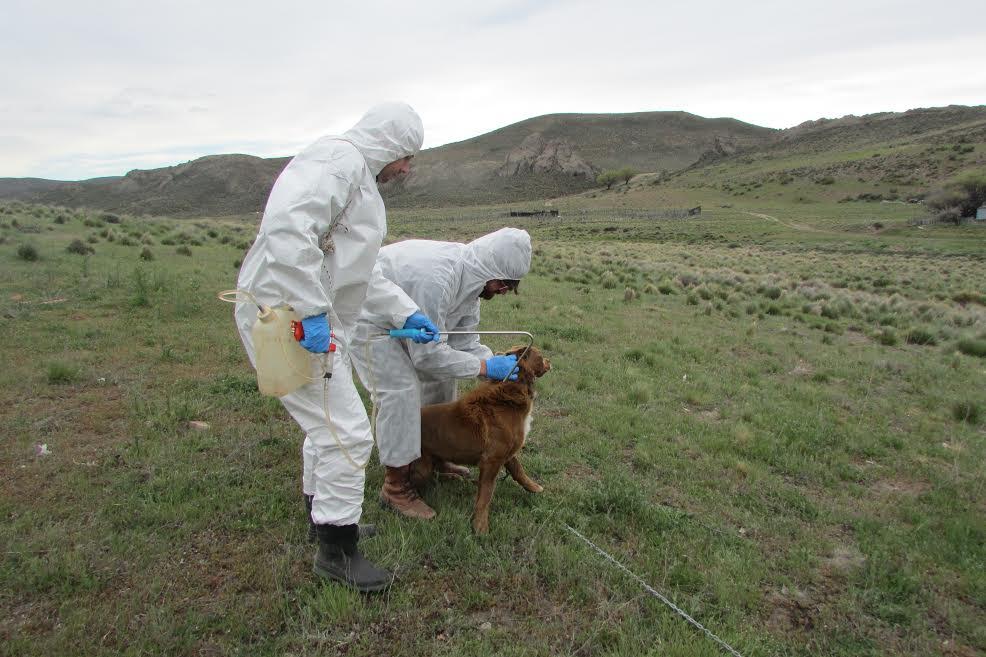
(444, 279)
(316, 251)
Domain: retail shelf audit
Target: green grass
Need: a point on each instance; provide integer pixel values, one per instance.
(744, 435)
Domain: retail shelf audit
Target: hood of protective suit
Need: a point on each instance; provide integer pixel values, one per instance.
(505, 254)
(387, 132)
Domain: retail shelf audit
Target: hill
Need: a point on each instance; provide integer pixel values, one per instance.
(464, 172)
(885, 156)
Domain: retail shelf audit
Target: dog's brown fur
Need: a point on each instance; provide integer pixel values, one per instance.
(486, 427)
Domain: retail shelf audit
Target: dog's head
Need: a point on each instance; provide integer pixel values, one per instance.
(531, 365)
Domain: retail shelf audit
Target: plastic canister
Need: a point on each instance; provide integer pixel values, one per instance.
(282, 364)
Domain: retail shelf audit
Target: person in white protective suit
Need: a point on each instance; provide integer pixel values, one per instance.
(316, 251)
(446, 280)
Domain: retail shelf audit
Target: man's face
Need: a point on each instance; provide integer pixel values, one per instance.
(493, 288)
(396, 169)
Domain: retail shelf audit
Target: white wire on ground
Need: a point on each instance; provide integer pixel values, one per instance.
(657, 594)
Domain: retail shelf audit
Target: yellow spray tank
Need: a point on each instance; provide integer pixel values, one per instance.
(282, 364)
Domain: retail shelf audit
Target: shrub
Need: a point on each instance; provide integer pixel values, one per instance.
(966, 411)
(111, 218)
(28, 252)
(921, 336)
(626, 173)
(146, 254)
(960, 197)
(970, 297)
(772, 292)
(972, 347)
(79, 247)
(183, 250)
(887, 337)
(608, 177)
(688, 280)
(61, 374)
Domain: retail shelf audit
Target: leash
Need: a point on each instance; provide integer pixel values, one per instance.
(657, 594)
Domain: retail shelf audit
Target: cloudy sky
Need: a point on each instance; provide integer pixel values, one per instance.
(98, 88)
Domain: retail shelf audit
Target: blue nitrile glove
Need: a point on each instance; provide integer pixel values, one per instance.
(498, 367)
(420, 321)
(317, 332)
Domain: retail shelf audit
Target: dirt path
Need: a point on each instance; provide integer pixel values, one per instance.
(788, 224)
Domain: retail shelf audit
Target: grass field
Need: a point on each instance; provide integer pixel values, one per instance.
(774, 413)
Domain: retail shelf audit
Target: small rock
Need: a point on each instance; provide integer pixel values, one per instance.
(41, 449)
(486, 627)
(198, 425)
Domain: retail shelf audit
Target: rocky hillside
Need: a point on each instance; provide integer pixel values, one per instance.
(887, 156)
(538, 158)
(560, 154)
(542, 157)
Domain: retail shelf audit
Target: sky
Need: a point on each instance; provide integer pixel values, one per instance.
(98, 88)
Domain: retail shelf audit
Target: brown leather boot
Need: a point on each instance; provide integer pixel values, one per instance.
(398, 494)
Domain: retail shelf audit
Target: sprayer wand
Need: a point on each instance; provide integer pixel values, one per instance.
(413, 333)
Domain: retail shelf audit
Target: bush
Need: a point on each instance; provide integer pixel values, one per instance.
(972, 347)
(626, 174)
(921, 336)
(79, 247)
(60, 374)
(966, 411)
(28, 252)
(960, 197)
(887, 337)
(146, 254)
(608, 177)
(183, 250)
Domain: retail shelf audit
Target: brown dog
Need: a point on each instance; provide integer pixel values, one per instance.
(486, 427)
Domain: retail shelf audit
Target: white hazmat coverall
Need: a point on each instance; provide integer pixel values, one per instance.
(316, 251)
(444, 279)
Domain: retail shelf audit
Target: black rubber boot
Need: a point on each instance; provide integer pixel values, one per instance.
(338, 559)
(365, 531)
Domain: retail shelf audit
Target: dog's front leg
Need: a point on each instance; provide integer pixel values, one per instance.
(487, 482)
(516, 471)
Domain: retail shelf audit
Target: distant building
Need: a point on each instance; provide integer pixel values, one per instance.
(981, 214)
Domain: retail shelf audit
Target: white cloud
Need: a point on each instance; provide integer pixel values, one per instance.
(100, 87)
